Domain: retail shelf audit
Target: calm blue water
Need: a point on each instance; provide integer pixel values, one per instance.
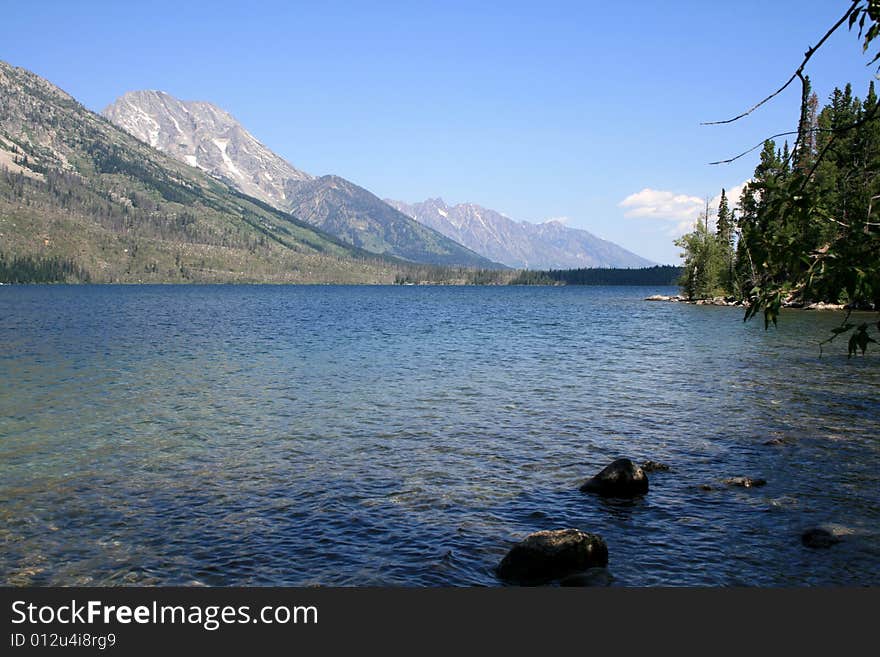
(408, 435)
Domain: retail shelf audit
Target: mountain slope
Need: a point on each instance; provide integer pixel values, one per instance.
(76, 187)
(358, 217)
(207, 137)
(523, 245)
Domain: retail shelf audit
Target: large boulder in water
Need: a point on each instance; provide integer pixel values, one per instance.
(551, 554)
(622, 478)
(819, 537)
(594, 577)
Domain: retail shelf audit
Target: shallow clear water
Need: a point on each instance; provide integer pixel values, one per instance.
(229, 435)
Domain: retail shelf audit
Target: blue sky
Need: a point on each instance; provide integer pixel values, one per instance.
(584, 110)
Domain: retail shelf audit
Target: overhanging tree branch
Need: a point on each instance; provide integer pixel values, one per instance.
(835, 131)
(757, 146)
(799, 70)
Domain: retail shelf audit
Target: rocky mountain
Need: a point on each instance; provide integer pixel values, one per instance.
(519, 244)
(358, 217)
(84, 198)
(206, 137)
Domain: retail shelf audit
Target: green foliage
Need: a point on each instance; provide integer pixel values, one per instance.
(809, 231)
(533, 277)
(657, 275)
(416, 274)
(486, 276)
(439, 275)
(27, 269)
(866, 14)
(724, 223)
(708, 257)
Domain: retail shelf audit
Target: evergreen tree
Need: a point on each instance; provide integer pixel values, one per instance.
(724, 223)
(809, 231)
(805, 148)
(724, 236)
(706, 262)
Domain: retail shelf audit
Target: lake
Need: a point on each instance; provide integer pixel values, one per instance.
(282, 435)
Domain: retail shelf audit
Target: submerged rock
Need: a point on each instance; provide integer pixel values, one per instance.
(783, 502)
(819, 537)
(622, 478)
(745, 482)
(551, 554)
(654, 466)
(592, 577)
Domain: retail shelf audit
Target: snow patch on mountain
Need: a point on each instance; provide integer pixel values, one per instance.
(209, 138)
(222, 144)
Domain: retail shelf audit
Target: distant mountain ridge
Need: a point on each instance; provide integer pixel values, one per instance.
(84, 197)
(519, 244)
(209, 138)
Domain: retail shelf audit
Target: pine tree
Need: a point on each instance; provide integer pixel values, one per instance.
(809, 230)
(805, 148)
(724, 236)
(724, 224)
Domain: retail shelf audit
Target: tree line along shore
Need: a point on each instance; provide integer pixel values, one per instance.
(28, 269)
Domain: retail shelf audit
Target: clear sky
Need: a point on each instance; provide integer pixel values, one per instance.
(583, 110)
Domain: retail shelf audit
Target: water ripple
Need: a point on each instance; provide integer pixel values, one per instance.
(407, 436)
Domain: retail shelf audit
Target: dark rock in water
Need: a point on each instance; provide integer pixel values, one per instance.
(622, 478)
(706, 487)
(819, 538)
(550, 554)
(654, 466)
(745, 482)
(591, 577)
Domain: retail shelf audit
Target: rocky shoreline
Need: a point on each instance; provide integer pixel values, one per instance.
(573, 557)
(731, 301)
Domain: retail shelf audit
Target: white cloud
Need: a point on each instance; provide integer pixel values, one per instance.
(660, 204)
(682, 227)
(678, 211)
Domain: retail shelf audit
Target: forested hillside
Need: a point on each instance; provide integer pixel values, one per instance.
(75, 189)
